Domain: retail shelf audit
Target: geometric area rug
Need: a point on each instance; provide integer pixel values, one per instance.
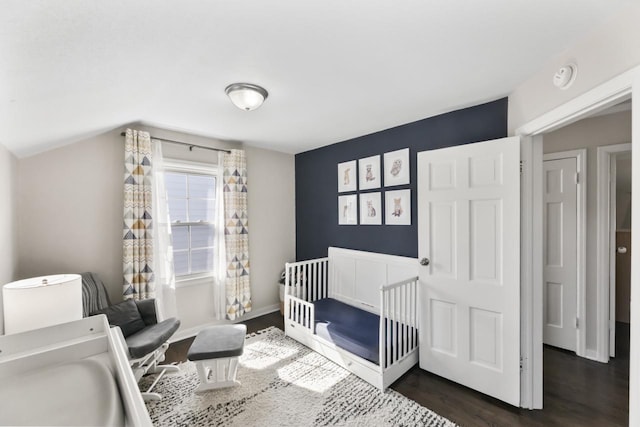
(284, 383)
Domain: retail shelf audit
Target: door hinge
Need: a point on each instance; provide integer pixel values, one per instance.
(577, 177)
(577, 323)
(521, 363)
(521, 166)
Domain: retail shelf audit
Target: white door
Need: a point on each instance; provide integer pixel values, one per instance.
(560, 225)
(469, 232)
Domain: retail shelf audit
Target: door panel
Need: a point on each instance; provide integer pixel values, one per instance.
(469, 229)
(486, 240)
(560, 223)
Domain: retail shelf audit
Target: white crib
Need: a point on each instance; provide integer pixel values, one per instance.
(385, 285)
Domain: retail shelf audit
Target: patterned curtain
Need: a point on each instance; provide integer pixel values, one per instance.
(137, 243)
(236, 233)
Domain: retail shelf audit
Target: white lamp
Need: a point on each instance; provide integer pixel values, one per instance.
(246, 96)
(41, 301)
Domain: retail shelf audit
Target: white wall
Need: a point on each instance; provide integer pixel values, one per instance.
(70, 205)
(591, 133)
(608, 51)
(8, 222)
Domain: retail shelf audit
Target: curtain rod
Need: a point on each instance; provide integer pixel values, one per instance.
(191, 146)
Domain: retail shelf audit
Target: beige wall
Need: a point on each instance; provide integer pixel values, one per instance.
(70, 208)
(70, 205)
(608, 51)
(589, 134)
(8, 222)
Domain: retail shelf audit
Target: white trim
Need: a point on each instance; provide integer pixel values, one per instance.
(613, 220)
(591, 354)
(634, 354)
(178, 165)
(595, 100)
(605, 268)
(581, 288)
(193, 331)
(616, 90)
(529, 150)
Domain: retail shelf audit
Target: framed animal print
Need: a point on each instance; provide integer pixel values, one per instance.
(396, 168)
(347, 177)
(369, 171)
(397, 210)
(370, 209)
(348, 210)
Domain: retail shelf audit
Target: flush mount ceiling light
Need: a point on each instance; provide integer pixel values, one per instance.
(246, 96)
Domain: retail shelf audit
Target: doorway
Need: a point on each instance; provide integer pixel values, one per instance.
(614, 222)
(539, 133)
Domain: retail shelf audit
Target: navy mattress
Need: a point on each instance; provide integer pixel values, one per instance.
(348, 327)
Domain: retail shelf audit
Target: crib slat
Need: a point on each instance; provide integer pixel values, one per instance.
(326, 279)
(411, 313)
(415, 313)
(310, 282)
(394, 317)
(405, 320)
(321, 280)
(387, 330)
(315, 281)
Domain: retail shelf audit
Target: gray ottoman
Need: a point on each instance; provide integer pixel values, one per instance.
(215, 352)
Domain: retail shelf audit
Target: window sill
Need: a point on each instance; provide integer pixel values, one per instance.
(194, 281)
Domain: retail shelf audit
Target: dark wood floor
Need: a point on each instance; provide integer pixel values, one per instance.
(577, 391)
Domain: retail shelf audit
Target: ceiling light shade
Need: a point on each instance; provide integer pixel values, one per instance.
(246, 96)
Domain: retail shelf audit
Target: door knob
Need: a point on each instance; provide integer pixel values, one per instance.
(424, 261)
(622, 250)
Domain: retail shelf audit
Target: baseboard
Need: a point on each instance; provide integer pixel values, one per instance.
(593, 355)
(193, 331)
(259, 312)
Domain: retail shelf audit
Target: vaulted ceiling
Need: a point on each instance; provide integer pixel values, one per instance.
(334, 69)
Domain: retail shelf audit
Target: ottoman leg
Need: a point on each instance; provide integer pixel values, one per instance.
(217, 373)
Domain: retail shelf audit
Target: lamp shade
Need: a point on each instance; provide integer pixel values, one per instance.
(246, 96)
(41, 301)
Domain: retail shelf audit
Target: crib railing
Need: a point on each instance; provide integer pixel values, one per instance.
(307, 280)
(398, 321)
(300, 312)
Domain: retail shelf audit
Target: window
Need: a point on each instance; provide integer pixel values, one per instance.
(192, 209)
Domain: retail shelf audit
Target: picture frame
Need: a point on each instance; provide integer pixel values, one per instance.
(397, 168)
(370, 209)
(347, 177)
(397, 210)
(369, 172)
(348, 210)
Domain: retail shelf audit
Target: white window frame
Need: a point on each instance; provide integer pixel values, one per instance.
(194, 168)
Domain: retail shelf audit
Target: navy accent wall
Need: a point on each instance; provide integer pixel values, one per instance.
(317, 180)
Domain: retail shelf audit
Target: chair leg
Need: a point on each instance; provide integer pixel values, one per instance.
(150, 397)
(149, 365)
(161, 370)
(169, 369)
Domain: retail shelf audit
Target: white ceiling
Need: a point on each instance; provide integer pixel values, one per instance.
(334, 69)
